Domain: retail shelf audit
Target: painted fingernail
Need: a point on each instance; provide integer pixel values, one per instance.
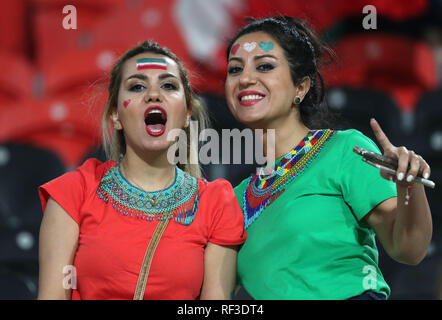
(410, 178)
(426, 175)
(400, 176)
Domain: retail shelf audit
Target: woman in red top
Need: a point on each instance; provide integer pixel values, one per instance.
(101, 220)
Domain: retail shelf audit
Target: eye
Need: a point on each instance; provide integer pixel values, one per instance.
(169, 86)
(234, 70)
(265, 67)
(137, 88)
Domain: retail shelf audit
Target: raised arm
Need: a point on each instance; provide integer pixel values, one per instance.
(57, 245)
(403, 224)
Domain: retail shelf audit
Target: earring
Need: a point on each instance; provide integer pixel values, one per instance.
(297, 100)
(117, 125)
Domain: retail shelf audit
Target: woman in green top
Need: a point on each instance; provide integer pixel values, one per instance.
(312, 218)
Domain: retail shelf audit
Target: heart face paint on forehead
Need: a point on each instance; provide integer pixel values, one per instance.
(151, 63)
(266, 46)
(249, 46)
(235, 48)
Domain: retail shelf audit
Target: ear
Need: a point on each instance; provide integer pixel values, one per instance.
(302, 89)
(116, 121)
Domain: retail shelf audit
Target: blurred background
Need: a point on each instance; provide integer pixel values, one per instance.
(53, 89)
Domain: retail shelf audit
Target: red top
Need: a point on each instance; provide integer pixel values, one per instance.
(111, 246)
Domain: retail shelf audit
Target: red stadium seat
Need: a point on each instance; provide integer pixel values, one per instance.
(16, 77)
(52, 40)
(13, 37)
(68, 125)
(401, 66)
(154, 21)
(101, 5)
(78, 70)
(324, 14)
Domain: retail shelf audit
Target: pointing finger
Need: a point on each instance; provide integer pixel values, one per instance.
(380, 135)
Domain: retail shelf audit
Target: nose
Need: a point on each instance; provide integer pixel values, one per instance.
(247, 77)
(153, 94)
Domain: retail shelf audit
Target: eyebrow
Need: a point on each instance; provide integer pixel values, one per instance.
(144, 77)
(257, 57)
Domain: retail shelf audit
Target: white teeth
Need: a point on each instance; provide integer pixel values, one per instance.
(155, 111)
(251, 97)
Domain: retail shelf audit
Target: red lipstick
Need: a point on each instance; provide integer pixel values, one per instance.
(155, 118)
(253, 97)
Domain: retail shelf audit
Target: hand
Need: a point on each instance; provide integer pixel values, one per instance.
(404, 156)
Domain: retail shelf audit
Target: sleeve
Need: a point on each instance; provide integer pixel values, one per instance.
(227, 226)
(67, 190)
(363, 187)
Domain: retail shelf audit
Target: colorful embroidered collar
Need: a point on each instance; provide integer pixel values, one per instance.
(262, 190)
(179, 201)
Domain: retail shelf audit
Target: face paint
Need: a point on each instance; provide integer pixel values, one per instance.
(151, 63)
(249, 46)
(126, 103)
(235, 48)
(266, 46)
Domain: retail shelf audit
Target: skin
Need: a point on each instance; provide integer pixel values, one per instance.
(405, 231)
(145, 165)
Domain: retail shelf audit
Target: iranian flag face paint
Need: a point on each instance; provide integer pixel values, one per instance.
(151, 63)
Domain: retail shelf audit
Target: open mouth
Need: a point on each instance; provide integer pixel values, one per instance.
(155, 119)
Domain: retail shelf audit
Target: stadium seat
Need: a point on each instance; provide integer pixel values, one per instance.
(68, 125)
(357, 105)
(79, 70)
(16, 77)
(13, 27)
(399, 66)
(155, 21)
(97, 5)
(23, 169)
(52, 40)
(428, 115)
(16, 285)
(324, 14)
(97, 153)
(417, 282)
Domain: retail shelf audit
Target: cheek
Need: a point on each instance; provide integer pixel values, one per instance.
(126, 103)
(229, 90)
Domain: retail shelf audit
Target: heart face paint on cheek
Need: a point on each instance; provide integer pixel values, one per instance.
(126, 103)
(235, 48)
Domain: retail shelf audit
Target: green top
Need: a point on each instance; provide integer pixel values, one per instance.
(311, 242)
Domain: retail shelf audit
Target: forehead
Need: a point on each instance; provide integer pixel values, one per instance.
(254, 43)
(150, 63)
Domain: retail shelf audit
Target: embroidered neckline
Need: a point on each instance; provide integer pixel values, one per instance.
(178, 201)
(261, 192)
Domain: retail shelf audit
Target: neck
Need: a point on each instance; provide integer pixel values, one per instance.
(286, 137)
(152, 174)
